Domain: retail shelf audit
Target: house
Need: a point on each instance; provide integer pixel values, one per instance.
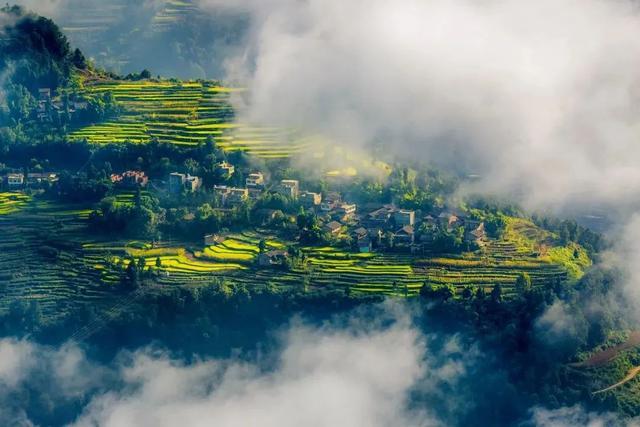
(44, 94)
(36, 178)
(309, 199)
(271, 258)
(221, 191)
(364, 245)
(404, 236)
(237, 196)
(254, 180)
(130, 179)
(180, 181)
(289, 188)
(331, 201)
(404, 217)
(363, 241)
(475, 233)
(332, 227)
(175, 182)
(14, 180)
(327, 206)
(448, 220)
(225, 169)
(346, 211)
(254, 192)
(192, 183)
(213, 239)
(230, 196)
(429, 220)
(379, 218)
(333, 197)
(360, 233)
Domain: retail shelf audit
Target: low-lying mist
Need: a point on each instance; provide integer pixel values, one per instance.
(540, 99)
(352, 371)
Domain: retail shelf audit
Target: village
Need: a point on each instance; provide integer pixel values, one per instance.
(311, 218)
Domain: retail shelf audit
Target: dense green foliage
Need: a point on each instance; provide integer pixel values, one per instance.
(34, 51)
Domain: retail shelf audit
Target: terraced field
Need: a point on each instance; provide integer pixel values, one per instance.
(389, 274)
(96, 17)
(184, 113)
(92, 18)
(12, 202)
(48, 254)
(40, 259)
(174, 12)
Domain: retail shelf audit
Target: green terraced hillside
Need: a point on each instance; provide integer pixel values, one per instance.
(49, 254)
(184, 113)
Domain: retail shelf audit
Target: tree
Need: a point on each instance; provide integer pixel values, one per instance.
(78, 59)
(19, 102)
(564, 234)
(191, 166)
(204, 212)
(262, 246)
(142, 264)
(496, 293)
(145, 74)
(131, 275)
(523, 283)
(437, 292)
(495, 225)
(158, 262)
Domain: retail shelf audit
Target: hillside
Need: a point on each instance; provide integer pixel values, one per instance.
(124, 35)
(50, 256)
(183, 113)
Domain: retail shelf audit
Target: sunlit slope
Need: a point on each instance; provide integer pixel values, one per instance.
(184, 113)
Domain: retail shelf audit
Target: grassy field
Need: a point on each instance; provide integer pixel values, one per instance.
(184, 113)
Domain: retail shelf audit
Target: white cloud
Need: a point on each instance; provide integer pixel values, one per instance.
(576, 416)
(323, 378)
(48, 8)
(16, 359)
(539, 97)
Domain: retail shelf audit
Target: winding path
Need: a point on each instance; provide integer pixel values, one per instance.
(630, 375)
(603, 357)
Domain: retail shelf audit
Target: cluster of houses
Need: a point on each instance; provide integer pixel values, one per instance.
(130, 179)
(50, 110)
(19, 181)
(367, 229)
(255, 186)
(367, 226)
(402, 226)
(179, 182)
